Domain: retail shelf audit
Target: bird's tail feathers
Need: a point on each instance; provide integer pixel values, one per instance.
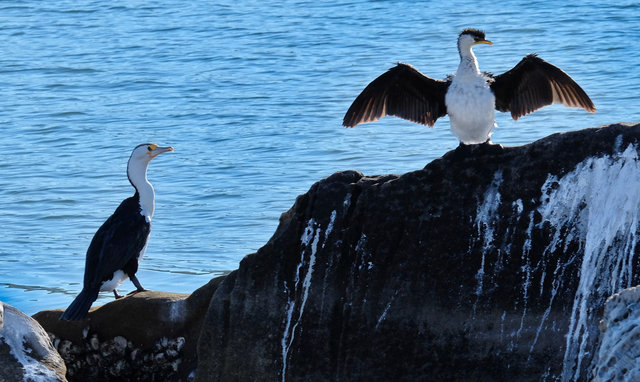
(80, 306)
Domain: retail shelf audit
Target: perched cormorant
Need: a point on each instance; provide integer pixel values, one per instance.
(470, 96)
(119, 244)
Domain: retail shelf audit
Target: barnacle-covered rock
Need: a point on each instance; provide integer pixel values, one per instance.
(144, 337)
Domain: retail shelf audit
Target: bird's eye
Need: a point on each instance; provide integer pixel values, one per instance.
(152, 147)
(149, 148)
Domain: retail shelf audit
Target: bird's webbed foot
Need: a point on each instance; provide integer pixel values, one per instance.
(116, 294)
(464, 150)
(489, 147)
(461, 152)
(136, 291)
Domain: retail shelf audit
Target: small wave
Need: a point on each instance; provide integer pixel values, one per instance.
(67, 114)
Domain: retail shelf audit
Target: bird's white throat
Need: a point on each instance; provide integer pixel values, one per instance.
(137, 172)
(468, 64)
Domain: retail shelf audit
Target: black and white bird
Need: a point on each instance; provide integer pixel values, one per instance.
(469, 97)
(119, 244)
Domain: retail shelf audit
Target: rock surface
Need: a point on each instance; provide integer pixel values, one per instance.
(489, 264)
(148, 336)
(26, 352)
(618, 358)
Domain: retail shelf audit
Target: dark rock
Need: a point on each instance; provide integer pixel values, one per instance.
(148, 336)
(26, 352)
(490, 264)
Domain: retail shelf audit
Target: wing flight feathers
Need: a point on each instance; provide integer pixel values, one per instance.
(534, 83)
(403, 92)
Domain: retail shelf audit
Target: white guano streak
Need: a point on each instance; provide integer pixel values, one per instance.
(598, 203)
(19, 333)
(485, 216)
(311, 235)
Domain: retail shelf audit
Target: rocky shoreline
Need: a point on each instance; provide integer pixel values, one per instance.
(146, 336)
(492, 263)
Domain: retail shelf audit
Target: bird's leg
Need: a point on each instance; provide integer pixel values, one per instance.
(116, 294)
(135, 282)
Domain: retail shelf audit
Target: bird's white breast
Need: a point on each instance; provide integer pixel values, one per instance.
(118, 278)
(470, 105)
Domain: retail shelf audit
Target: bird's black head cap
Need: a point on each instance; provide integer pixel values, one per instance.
(477, 34)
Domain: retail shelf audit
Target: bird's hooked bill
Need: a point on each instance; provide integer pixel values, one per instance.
(483, 42)
(159, 150)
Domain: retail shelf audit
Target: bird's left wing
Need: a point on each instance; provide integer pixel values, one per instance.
(534, 83)
(402, 91)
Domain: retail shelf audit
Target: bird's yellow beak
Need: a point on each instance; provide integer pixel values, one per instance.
(483, 42)
(159, 150)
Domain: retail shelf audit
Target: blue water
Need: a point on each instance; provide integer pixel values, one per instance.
(251, 95)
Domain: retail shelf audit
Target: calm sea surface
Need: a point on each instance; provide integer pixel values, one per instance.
(251, 95)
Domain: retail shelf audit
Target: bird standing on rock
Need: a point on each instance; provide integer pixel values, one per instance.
(469, 97)
(119, 244)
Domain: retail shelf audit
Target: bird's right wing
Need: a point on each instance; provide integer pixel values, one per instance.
(403, 92)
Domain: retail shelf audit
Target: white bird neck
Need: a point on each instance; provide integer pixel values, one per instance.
(468, 64)
(137, 173)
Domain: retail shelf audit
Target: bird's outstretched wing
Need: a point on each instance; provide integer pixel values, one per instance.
(402, 91)
(119, 240)
(534, 83)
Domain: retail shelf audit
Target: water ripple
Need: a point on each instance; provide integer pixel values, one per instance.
(251, 95)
